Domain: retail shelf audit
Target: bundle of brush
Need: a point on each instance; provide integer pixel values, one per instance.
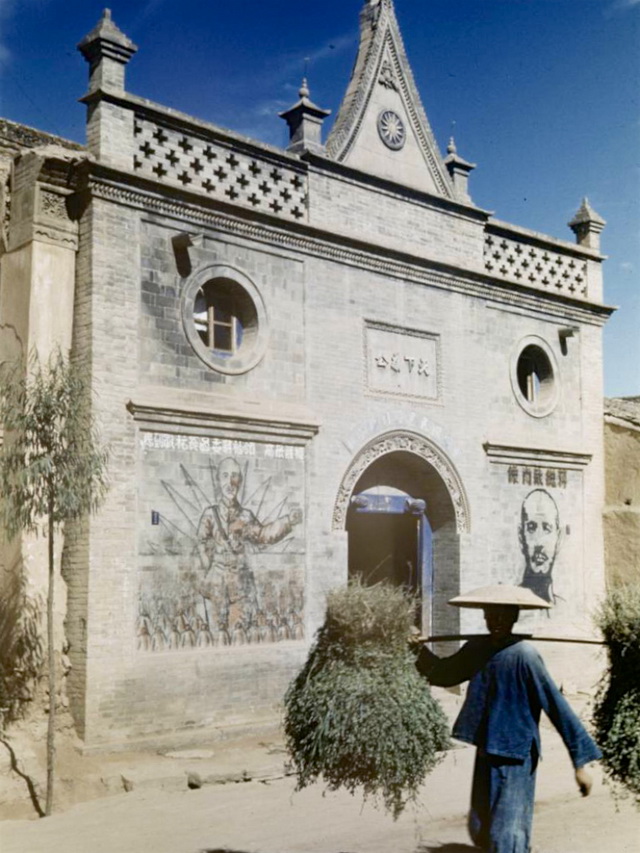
(359, 714)
(617, 709)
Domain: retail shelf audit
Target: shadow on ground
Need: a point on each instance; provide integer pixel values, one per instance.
(437, 848)
(221, 850)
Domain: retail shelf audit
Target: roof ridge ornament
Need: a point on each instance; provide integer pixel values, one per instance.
(107, 50)
(459, 170)
(587, 226)
(382, 61)
(305, 123)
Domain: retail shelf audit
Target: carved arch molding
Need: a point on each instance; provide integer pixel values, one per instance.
(410, 443)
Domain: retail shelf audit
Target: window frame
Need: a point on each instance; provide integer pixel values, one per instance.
(251, 316)
(547, 394)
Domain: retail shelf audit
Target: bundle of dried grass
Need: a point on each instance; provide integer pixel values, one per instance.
(358, 714)
(617, 709)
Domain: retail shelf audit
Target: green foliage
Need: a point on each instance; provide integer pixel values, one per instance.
(21, 653)
(52, 470)
(617, 710)
(51, 465)
(376, 617)
(359, 714)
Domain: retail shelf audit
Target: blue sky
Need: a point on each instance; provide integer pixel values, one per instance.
(544, 95)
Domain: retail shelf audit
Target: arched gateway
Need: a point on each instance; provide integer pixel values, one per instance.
(404, 507)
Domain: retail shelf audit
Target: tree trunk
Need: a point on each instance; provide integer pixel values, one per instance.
(51, 748)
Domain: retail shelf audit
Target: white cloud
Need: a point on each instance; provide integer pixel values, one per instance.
(294, 67)
(271, 107)
(621, 5)
(147, 10)
(8, 9)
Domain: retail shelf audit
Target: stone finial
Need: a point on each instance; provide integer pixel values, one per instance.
(459, 170)
(304, 89)
(305, 123)
(587, 226)
(107, 50)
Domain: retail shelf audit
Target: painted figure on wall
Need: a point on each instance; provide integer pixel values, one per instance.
(540, 538)
(226, 533)
(222, 561)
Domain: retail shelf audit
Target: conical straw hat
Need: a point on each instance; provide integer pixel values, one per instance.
(517, 596)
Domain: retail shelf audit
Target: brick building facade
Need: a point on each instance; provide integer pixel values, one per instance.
(308, 364)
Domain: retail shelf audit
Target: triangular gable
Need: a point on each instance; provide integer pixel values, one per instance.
(381, 126)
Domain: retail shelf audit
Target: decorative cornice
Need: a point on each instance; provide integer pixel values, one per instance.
(305, 239)
(510, 454)
(157, 413)
(409, 442)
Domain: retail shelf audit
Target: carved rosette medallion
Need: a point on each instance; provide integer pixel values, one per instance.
(392, 130)
(411, 443)
(53, 204)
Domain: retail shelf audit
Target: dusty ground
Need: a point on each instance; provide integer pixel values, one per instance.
(268, 817)
(235, 797)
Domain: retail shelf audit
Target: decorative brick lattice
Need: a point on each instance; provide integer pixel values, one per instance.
(211, 169)
(535, 266)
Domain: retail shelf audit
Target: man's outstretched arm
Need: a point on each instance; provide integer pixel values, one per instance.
(579, 743)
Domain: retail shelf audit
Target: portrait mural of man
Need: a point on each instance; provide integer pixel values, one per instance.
(222, 563)
(540, 540)
(226, 533)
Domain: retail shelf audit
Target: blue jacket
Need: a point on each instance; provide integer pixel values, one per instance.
(509, 687)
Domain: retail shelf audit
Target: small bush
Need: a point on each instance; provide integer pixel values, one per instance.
(617, 710)
(359, 714)
(21, 653)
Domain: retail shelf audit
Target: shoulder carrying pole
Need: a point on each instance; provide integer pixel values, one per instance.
(445, 638)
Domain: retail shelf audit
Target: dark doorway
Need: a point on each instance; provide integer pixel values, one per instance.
(384, 547)
(390, 540)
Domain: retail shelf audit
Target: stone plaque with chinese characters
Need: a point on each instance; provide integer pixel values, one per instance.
(402, 361)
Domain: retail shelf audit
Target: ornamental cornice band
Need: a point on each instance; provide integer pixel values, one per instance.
(411, 443)
(189, 212)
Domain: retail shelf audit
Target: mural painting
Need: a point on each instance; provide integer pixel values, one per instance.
(540, 537)
(222, 552)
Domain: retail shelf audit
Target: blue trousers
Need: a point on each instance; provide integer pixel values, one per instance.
(502, 802)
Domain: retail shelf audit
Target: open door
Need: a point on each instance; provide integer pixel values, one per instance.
(390, 539)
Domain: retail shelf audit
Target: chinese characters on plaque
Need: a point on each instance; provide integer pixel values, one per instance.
(219, 446)
(526, 475)
(402, 362)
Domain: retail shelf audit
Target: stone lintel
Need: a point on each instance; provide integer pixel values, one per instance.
(512, 455)
(170, 407)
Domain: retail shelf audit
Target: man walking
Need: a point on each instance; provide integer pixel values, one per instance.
(509, 686)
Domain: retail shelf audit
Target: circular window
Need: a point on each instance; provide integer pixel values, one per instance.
(534, 377)
(392, 130)
(225, 320)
